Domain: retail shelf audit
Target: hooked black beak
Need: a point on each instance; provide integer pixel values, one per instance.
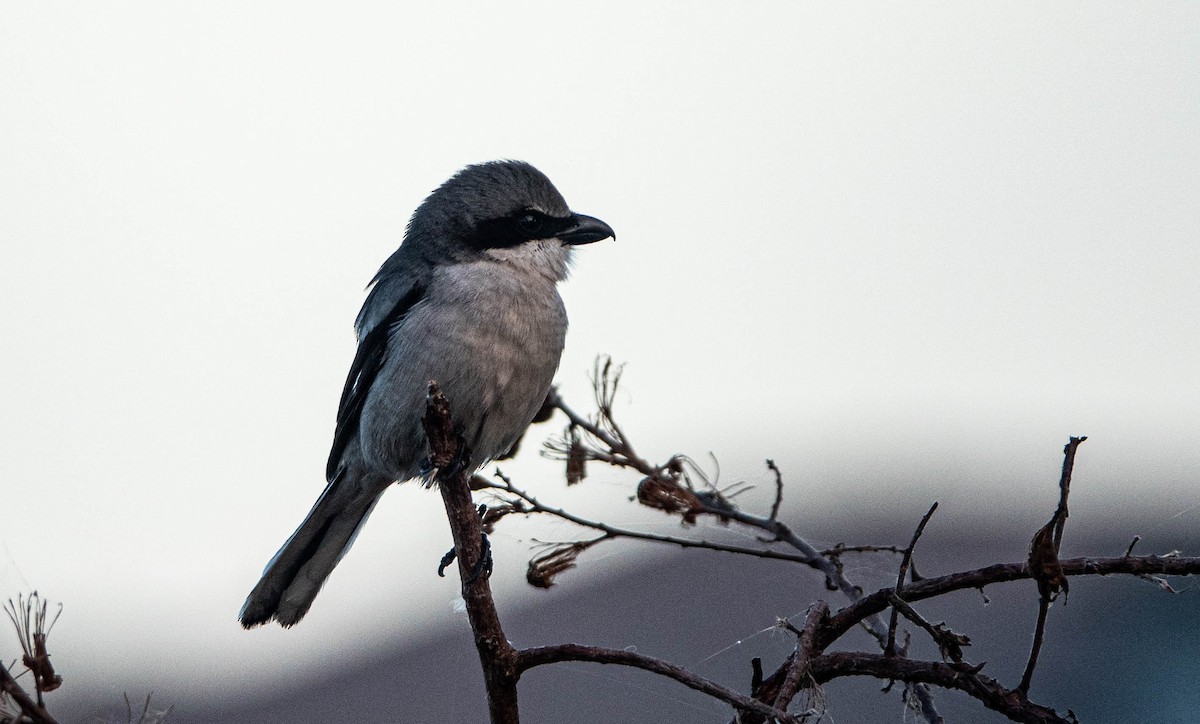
(585, 230)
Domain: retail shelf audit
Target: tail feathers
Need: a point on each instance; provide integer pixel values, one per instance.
(295, 575)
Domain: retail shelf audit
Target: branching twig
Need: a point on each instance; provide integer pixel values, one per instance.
(805, 650)
(540, 656)
(962, 677)
(890, 648)
(533, 505)
(956, 675)
(619, 452)
(671, 488)
(949, 643)
(850, 616)
(621, 455)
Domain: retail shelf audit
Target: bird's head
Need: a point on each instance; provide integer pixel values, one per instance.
(505, 210)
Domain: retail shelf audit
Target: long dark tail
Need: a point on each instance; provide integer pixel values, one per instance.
(295, 575)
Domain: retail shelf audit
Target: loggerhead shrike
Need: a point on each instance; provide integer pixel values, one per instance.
(470, 300)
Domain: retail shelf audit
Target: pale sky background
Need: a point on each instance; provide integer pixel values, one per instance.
(904, 249)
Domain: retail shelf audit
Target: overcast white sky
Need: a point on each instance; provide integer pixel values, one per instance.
(904, 249)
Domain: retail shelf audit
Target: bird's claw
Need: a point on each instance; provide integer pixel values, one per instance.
(483, 566)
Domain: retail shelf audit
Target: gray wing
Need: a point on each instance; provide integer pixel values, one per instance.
(372, 350)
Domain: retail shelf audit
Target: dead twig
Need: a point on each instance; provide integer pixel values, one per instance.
(1044, 562)
(778, 490)
(542, 655)
(963, 677)
(890, 648)
(614, 448)
(949, 643)
(805, 650)
(533, 505)
(672, 488)
(848, 617)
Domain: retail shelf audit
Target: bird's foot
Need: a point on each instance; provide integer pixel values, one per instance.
(446, 561)
(483, 566)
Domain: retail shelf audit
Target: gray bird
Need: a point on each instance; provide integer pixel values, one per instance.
(470, 299)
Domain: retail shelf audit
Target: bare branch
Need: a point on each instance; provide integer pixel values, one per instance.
(949, 643)
(496, 655)
(962, 677)
(1039, 632)
(848, 617)
(610, 531)
(540, 656)
(956, 675)
(670, 488)
(1044, 563)
(1064, 486)
(620, 453)
(890, 648)
(778, 490)
(805, 650)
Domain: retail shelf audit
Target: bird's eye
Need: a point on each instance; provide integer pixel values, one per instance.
(530, 223)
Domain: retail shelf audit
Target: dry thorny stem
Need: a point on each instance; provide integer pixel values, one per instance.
(30, 618)
(678, 487)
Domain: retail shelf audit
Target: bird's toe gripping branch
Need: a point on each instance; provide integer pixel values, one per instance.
(482, 567)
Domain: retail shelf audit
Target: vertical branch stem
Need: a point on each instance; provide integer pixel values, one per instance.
(1044, 561)
(1039, 632)
(496, 655)
(1064, 488)
(778, 490)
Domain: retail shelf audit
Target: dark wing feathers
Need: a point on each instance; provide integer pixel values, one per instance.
(372, 349)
